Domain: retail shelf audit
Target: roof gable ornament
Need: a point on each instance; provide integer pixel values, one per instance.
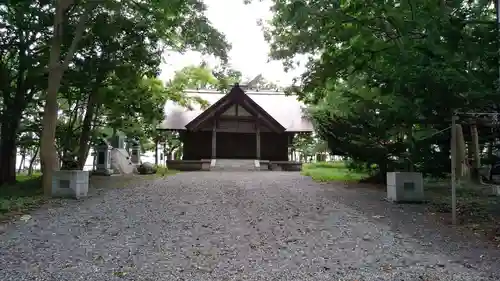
(250, 84)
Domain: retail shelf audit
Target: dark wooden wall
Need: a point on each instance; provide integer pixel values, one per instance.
(236, 146)
(198, 145)
(274, 146)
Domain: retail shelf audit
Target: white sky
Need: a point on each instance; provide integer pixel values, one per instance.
(249, 53)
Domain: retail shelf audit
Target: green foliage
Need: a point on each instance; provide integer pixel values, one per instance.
(111, 78)
(304, 144)
(384, 77)
(308, 145)
(226, 77)
(191, 77)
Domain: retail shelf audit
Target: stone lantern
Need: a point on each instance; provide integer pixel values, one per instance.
(103, 165)
(135, 152)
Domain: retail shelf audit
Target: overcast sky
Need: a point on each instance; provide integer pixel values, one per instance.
(249, 52)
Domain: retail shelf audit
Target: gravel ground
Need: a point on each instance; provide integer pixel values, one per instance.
(235, 226)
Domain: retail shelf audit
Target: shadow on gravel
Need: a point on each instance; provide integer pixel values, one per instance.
(431, 230)
(27, 197)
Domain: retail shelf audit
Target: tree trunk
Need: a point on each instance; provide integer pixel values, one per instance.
(461, 170)
(47, 148)
(8, 161)
(32, 161)
(48, 152)
(8, 150)
(84, 148)
(411, 149)
(476, 159)
(23, 158)
(12, 114)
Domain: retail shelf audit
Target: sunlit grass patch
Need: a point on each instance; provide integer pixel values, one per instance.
(331, 171)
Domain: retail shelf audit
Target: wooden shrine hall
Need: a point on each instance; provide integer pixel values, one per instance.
(238, 125)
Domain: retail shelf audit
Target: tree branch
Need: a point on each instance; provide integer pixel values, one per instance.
(78, 35)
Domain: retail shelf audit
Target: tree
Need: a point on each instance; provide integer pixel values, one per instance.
(109, 51)
(304, 143)
(193, 77)
(226, 76)
(384, 78)
(56, 72)
(23, 60)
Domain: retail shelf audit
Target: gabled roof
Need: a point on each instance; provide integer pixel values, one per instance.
(286, 110)
(235, 96)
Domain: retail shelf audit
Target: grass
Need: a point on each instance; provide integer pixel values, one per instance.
(26, 194)
(331, 171)
(161, 171)
(164, 171)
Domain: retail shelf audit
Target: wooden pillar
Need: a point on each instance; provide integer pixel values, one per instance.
(288, 147)
(156, 151)
(257, 133)
(214, 139)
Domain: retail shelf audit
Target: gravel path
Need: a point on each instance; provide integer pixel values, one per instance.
(228, 226)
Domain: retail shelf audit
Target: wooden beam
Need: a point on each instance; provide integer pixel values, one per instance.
(214, 139)
(229, 117)
(222, 107)
(257, 134)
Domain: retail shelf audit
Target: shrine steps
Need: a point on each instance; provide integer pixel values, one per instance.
(235, 165)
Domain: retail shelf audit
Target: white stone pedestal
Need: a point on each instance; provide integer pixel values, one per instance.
(405, 187)
(70, 183)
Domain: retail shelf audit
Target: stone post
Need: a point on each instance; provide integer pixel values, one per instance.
(405, 187)
(103, 165)
(135, 156)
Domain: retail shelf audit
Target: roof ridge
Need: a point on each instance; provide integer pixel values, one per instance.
(247, 93)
